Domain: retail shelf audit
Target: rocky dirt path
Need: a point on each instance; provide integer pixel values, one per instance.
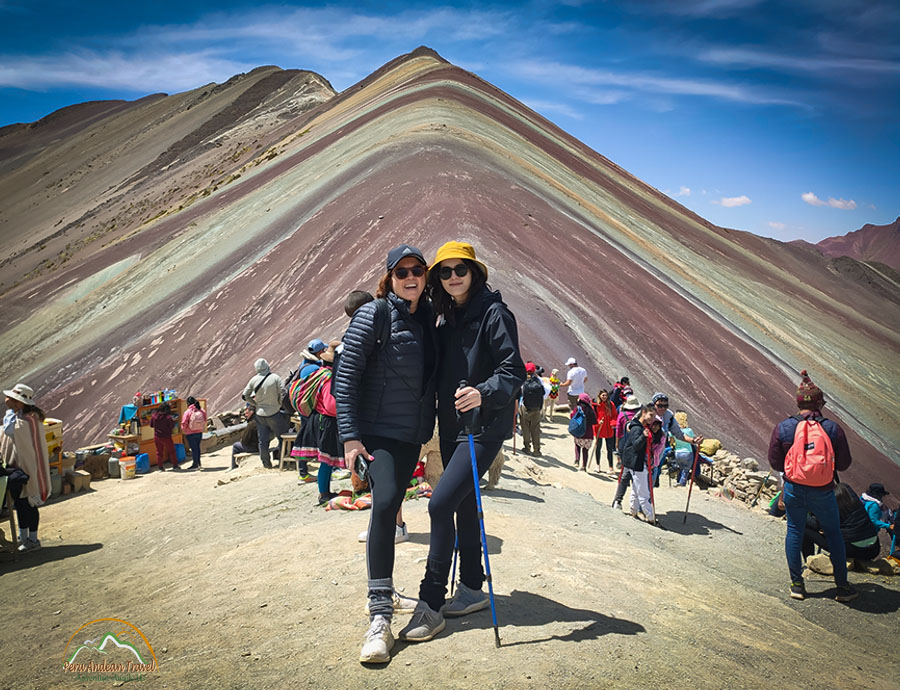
(249, 585)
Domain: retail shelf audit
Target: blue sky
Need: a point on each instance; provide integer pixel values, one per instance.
(778, 118)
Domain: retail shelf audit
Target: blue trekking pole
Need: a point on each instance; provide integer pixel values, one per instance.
(487, 564)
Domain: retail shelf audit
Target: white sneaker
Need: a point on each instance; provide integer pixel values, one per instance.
(401, 603)
(340, 474)
(401, 534)
(379, 642)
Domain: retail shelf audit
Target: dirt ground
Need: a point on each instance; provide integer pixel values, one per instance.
(249, 585)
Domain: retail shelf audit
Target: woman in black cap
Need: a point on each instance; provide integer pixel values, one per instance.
(384, 389)
(479, 344)
(873, 500)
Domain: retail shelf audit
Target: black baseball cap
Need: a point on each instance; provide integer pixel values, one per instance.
(877, 490)
(397, 253)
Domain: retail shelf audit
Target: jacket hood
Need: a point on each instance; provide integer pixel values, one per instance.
(867, 497)
(480, 301)
(261, 366)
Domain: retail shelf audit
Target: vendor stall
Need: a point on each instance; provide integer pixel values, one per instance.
(135, 435)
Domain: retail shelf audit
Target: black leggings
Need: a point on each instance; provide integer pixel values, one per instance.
(610, 446)
(455, 495)
(27, 515)
(813, 538)
(389, 475)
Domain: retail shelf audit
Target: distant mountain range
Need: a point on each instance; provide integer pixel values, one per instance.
(878, 243)
(169, 242)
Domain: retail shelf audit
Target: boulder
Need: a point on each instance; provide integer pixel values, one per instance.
(879, 566)
(820, 563)
(750, 464)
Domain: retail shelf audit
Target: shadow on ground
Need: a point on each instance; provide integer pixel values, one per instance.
(495, 544)
(46, 554)
(696, 523)
(526, 609)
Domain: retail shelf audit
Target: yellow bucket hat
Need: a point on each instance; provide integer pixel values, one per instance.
(457, 250)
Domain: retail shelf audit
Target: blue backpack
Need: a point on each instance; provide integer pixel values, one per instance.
(578, 424)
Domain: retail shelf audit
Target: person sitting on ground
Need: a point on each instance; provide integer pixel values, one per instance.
(809, 482)
(249, 442)
(584, 442)
(576, 377)
(163, 424)
(684, 451)
(873, 501)
(626, 414)
(533, 394)
(859, 535)
(605, 429)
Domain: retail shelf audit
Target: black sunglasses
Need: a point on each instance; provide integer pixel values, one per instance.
(417, 271)
(660, 403)
(445, 271)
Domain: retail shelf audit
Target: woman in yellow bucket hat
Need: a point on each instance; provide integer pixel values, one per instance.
(478, 343)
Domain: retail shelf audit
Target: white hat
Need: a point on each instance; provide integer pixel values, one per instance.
(631, 403)
(22, 393)
(570, 361)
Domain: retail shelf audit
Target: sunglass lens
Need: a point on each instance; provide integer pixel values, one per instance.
(417, 271)
(460, 270)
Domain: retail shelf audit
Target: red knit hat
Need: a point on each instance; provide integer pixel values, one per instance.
(809, 395)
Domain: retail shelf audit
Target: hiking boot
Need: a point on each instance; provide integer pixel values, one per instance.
(340, 474)
(401, 603)
(303, 477)
(401, 534)
(424, 624)
(379, 642)
(617, 505)
(846, 593)
(194, 466)
(798, 590)
(465, 601)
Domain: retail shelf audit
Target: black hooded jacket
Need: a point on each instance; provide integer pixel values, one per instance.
(482, 348)
(385, 391)
(634, 448)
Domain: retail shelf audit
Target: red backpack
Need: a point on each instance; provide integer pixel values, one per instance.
(810, 460)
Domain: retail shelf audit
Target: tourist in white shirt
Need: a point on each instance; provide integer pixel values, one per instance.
(576, 377)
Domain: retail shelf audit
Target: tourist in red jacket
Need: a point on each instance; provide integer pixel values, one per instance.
(605, 428)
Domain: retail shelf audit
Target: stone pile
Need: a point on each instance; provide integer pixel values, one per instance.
(742, 479)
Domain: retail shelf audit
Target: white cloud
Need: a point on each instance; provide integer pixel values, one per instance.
(684, 191)
(750, 59)
(730, 201)
(776, 225)
(843, 204)
(114, 70)
(548, 107)
(581, 77)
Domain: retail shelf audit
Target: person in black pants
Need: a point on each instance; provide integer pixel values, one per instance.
(384, 390)
(479, 344)
(859, 534)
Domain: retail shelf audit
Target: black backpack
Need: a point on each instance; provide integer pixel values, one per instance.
(533, 393)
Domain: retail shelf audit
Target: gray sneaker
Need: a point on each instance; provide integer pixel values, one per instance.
(401, 603)
(465, 601)
(424, 624)
(379, 642)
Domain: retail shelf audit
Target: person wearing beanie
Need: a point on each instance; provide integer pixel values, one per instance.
(805, 491)
(264, 389)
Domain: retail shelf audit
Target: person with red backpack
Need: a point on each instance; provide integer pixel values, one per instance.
(809, 449)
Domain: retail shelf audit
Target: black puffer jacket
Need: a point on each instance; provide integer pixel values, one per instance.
(385, 391)
(634, 448)
(481, 347)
